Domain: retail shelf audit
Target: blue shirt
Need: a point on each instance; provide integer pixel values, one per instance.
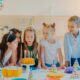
(71, 46)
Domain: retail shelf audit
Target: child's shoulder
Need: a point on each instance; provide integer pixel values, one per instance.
(67, 34)
(42, 42)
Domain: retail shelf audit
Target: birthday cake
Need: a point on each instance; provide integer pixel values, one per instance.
(12, 71)
(27, 61)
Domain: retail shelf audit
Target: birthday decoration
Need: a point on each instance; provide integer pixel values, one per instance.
(69, 70)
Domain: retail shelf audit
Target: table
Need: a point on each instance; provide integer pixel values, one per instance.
(40, 74)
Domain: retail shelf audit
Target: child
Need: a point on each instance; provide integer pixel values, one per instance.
(31, 45)
(45, 30)
(8, 49)
(51, 49)
(72, 41)
(20, 44)
(45, 34)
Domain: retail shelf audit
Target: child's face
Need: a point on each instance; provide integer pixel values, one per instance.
(45, 33)
(72, 27)
(51, 35)
(29, 38)
(13, 45)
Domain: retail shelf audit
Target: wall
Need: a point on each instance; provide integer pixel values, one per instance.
(41, 7)
(21, 22)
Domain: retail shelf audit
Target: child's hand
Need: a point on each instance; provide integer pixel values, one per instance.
(61, 67)
(66, 63)
(44, 67)
(39, 66)
(50, 68)
(19, 62)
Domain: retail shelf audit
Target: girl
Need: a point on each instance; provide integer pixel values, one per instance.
(45, 34)
(8, 49)
(72, 41)
(31, 46)
(51, 49)
(45, 37)
(20, 44)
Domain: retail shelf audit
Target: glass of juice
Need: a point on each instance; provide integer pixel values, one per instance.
(9, 72)
(4, 73)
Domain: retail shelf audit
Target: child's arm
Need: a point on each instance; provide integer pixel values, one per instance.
(13, 59)
(60, 56)
(66, 50)
(42, 57)
(39, 57)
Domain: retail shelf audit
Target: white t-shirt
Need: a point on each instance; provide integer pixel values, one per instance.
(51, 51)
(42, 42)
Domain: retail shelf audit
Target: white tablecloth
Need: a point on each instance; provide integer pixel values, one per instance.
(40, 74)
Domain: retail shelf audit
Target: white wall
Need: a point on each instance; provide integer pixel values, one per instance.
(41, 7)
(21, 22)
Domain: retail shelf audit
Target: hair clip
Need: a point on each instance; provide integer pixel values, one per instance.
(9, 34)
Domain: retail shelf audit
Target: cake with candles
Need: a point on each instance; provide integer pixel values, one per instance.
(27, 61)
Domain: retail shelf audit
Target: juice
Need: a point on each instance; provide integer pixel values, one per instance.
(4, 72)
(17, 72)
(12, 71)
(9, 73)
